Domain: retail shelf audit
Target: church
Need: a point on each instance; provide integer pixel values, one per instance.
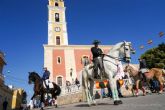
(64, 61)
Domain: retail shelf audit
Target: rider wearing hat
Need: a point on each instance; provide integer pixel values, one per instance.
(143, 67)
(97, 60)
(45, 77)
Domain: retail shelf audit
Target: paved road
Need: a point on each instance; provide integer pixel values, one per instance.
(149, 102)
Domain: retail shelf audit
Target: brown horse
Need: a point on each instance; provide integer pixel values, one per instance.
(156, 73)
(134, 73)
(40, 90)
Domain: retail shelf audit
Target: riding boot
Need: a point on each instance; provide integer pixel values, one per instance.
(47, 88)
(96, 73)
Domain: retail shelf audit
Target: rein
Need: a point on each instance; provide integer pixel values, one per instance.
(115, 58)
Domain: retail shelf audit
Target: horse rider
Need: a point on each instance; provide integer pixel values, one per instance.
(97, 58)
(45, 78)
(142, 67)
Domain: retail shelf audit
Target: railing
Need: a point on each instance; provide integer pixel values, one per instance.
(66, 90)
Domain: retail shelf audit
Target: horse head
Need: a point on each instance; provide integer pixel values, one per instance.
(33, 76)
(122, 51)
(125, 51)
(133, 71)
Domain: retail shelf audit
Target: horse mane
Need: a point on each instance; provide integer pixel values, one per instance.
(131, 65)
(116, 46)
(36, 74)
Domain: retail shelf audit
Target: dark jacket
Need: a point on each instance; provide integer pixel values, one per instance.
(96, 52)
(143, 64)
(101, 84)
(5, 103)
(46, 75)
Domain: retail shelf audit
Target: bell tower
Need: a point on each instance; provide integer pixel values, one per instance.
(57, 30)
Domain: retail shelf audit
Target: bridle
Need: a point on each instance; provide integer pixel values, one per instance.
(125, 55)
(118, 58)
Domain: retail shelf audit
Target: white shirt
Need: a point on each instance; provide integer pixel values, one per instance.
(120, 71)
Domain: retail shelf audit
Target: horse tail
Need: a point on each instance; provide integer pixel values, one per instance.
(57, 89)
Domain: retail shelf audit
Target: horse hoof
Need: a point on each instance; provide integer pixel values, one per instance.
(89, 105)
(116, 103)
(160, 92)
(94, 104)
(56, 106)
(120, 102)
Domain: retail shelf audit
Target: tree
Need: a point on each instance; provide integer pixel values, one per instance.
(155, 57)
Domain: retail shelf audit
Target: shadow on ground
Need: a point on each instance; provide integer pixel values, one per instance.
(86, 105)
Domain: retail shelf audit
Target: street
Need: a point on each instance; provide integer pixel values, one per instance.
(149, 102)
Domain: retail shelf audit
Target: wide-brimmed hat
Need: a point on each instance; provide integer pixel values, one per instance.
(96, 42)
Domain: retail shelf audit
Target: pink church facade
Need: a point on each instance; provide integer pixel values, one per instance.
(65, 62)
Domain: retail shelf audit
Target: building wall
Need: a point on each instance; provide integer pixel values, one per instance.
(17, 98)
(79, 53)
(71, 56)
(2, 63)
(58, 67)
(5, 93)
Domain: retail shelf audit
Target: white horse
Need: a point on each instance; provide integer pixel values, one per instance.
(119, 52)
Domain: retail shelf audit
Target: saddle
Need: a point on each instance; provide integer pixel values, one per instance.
(50, 84)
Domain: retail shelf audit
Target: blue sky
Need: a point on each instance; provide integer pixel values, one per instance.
(23, 29)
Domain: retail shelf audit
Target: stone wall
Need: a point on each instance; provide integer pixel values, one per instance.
(71, 98)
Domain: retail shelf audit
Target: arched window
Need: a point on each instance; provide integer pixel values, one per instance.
(56, 4)
(59, 80)
(58, 40)
(58, 60)
(57, 18)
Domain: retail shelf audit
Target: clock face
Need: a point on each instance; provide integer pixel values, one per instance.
(57, 29)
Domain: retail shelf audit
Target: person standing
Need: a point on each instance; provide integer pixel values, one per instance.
(45, 78)
(109, 89)
(102, 86)
(77, 82)
(5, 104)
(97, 60)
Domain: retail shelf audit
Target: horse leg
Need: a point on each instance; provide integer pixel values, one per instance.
(42, 102)
(55, 99)
(91, 92)
(87, 92)
(143, 90)
(114, 91)
(161, 85)
(137, 88)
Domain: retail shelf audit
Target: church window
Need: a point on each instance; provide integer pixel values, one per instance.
(56, 4)
(58, 40)
(57, 18)
(59, 81)
(58, 60)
